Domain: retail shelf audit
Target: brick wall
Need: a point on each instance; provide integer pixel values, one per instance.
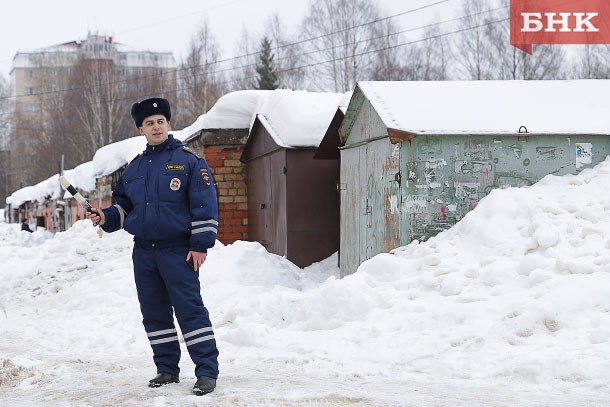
(229, 175)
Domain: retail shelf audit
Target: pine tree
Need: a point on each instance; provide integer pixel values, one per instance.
(266, 70)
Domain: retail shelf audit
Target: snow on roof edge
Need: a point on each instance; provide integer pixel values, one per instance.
(269, 127)
(491, 107)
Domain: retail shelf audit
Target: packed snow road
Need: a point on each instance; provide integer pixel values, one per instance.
(510, 307)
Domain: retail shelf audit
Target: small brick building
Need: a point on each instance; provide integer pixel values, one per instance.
(222, 149)
(220, 136)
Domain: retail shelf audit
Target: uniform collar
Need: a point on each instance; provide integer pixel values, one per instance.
(169, 143)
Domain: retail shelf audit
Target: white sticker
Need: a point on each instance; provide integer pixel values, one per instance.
(584, 154)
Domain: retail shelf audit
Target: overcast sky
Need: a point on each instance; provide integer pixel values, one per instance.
(167, 25)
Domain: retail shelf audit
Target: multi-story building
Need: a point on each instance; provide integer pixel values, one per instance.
(81, 90)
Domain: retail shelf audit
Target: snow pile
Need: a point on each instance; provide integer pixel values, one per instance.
(512, 303)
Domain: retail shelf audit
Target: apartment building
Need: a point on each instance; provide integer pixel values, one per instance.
(52, 84)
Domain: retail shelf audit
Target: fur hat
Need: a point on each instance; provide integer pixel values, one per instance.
(150, 107)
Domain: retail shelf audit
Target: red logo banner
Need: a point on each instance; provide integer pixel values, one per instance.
(559, 22)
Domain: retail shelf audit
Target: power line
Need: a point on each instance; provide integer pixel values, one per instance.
(179, 89)
(365, 24)
(156, 24)
(357, 42)
(436, 36)
(169, 72)
(388, 47)
(432, 37)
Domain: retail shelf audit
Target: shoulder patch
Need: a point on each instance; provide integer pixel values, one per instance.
(205, 176)
(190, 151)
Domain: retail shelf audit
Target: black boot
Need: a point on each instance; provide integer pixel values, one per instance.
(162, 379)
(204, 385)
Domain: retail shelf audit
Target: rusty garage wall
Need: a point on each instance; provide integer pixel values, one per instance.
(447, 176)
(393, 193)
(369, 192)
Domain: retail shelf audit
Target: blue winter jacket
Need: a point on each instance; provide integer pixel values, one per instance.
(166, 195)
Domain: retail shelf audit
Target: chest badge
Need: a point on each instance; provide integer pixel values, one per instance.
(174, 184)
(175, 167)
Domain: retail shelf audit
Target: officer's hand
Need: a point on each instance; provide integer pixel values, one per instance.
(96, 216)
(195, 259)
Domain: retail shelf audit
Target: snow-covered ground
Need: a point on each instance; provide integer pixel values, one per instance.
(511, 307)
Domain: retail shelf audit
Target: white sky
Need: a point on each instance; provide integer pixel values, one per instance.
(510, 307)
(163, 25)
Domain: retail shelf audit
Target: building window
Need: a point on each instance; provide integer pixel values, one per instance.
(29, 90)
(31, 107)
(29, 73)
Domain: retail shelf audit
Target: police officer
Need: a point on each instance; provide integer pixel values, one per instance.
(166, 199)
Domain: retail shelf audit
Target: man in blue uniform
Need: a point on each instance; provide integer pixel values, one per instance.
(166, 199)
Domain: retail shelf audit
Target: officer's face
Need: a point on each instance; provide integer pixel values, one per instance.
(155, 129)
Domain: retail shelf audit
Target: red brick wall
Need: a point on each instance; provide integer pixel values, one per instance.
(229, 175)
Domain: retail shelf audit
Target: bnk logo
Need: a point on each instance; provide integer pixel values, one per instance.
(559, 22)
(563, 22)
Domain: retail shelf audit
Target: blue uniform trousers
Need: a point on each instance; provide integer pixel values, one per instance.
(167, 284)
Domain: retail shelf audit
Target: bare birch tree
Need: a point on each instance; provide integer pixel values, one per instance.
(243, 68)
(199, 76)
(94, 107)
(483, 51)
(288, 55)
(341, 33)
(436, 65)
(392, 63)
(416, 59)
(546, 61)
(473, 48)
(7, 106)
(98, 104)
(590, 62)
(6, 135)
